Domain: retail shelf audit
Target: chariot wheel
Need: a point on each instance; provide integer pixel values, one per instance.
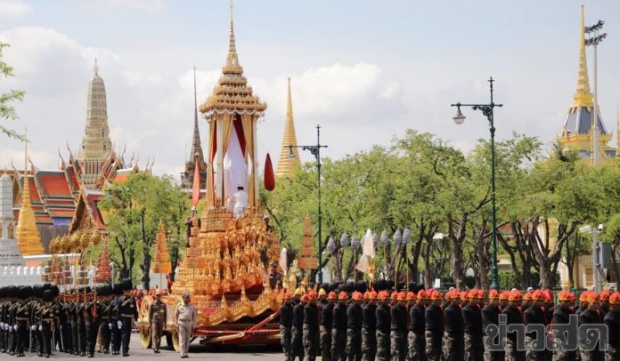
(175, 340)
(145, 336)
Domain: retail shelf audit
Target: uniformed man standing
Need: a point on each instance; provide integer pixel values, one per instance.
(433, 333)
(472, 318)
(46, 320)
(104, 326)
(128, 312)
(311, 328)
(339, 328)
(115, 324)
(185, 320)
(369, 327)
(490, 316)
(93, 318)
(514, 344)
(274, 276)
(22, 318)
(415, 339)
(453, 347)
(286, 322)
(325, 326)
(563, 350)
(534, 315)
(384, 323)
(297, 331)
(354, 328)
(590, 318)
(612, 321)
(398, 338)
(157, 318)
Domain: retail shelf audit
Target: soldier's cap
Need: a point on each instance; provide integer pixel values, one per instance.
(583, 298)
(605, 295)
(331, 296)
(548, 295)
(480, 295)
(357, 296)
(394, 296)
(411, 296)
(453, 295)
(565, 296)
(515, 296)
(312, 295)
(422, 295)
(614, 299)
(472, 294)
(538, 295)
(493, 294)
(322, 292)
(372, 295)
(593, 297)
(436, 295)
(527, 296)
(383, 295)
(288, 295)
(186, 295)
(505, 295)
(47, 296)
(305, 298)
(402, 296)
(342, 295)
(463, 295)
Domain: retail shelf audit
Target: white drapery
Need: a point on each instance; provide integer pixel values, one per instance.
(235, 168)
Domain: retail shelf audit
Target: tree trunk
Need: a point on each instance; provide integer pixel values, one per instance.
(457, 236)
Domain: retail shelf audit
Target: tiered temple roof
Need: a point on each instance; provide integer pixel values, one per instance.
(288, 166)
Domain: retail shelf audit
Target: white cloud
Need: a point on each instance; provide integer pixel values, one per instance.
(13, 8)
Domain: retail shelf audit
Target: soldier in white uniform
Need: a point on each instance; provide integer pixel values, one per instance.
(185, 319)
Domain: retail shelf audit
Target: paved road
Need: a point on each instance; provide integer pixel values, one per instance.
(233, 353)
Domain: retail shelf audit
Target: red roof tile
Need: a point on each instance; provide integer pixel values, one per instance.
(54, 184)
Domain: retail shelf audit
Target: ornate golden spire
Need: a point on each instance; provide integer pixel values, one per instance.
(96, 144)
(288, 165)
(583, 96)
(26, 232)
(232, 94)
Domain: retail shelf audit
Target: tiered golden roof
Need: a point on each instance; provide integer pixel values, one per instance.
(161, 259)
(287, 166)
(232, 94)
(307, 260)
(104, 271)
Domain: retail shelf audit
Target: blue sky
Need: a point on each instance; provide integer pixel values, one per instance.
(364, 70)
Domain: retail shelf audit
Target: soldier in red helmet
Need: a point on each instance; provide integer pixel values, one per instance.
(590, 318)
(534, 315)
(472, 317)
(612, 321)
(561, 318)
(339, 328)
(514, 351)
(453, 347)
(433, 332)
(490, 318)
(384, 322)
(311, 328)
(417, 322)
(398, 330)
(325, 326)
(286, 323)
(369, 327)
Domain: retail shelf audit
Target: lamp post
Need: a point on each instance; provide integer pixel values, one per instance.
(355, 247)
(593, 40)
(595, 261)
(316, 152)
(459, 118)
(331, 247)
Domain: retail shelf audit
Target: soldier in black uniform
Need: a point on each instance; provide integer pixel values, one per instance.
(384, 324)
(47, 321)
(515, 342)
(453, 347)
(590, 318)
(22, 320)
(311, 328)
(115, 322)
(325, 326)
(339, 328)
(562, 350)
(612, 321)
(66, 338)
(34, 334)
(3, 320)
(472, 318)
(398, 338)
(104, 324)
(14, 303)
(286, 322)
(354, 328)
(417, 323)
(93, 312)
(604, 308)
(73, 316)
(490, 316)
(297, 345)
(369, 327)
(433, 333)
(128, 312)
(81, 316)
(534, 315)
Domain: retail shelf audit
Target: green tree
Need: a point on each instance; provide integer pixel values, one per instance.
(7, 112)
(135, 209)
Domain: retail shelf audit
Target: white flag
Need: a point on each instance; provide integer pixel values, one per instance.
(363, 265)
(368, 247)
(283, 260)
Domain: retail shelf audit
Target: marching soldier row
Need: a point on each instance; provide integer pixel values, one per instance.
(461, 326)
(36, 319)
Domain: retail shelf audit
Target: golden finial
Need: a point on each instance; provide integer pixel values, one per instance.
(289, 156)
(232, 49)
(583, 96)
(96, 68)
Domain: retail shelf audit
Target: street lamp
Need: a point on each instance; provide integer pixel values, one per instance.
(593, 40)
(595, 261)
(316, 152)
(459, 118)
